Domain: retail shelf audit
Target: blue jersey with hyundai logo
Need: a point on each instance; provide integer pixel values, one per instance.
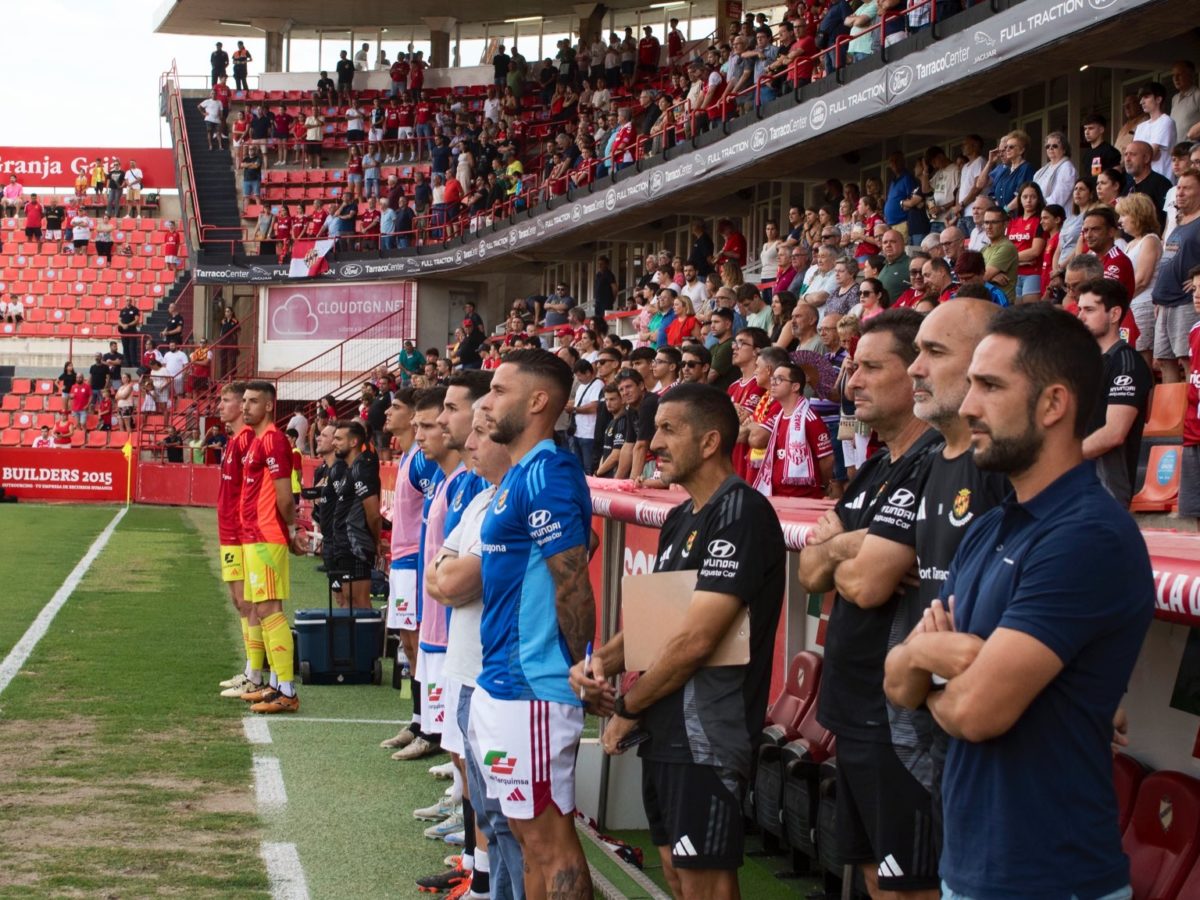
(542, 508)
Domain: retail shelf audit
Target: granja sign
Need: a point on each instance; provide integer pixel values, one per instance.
(56, 167)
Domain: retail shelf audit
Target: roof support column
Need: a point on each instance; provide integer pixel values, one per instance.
(439, 40)
(273, 31)
(591, 20)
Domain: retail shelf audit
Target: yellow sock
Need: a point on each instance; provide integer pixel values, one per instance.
(246, 635)
(279, 645)
(255, 649)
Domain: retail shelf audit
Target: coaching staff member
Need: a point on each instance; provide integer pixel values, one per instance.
(356, 518)
(863, 548)
(1045, 632)
(702, 721)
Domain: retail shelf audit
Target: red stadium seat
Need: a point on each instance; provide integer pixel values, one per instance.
(10, 403)
(1191, 887)
(1163, 836)
(1161, 488)
(97, 439)
(1127, 776)
(1168, 405)
(22, 386)
(10, 437)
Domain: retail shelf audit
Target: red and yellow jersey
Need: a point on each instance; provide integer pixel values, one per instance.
(229, 490)
(269, 458)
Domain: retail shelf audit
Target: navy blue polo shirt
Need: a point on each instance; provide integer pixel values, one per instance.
(1007, 181)
(1032, 813)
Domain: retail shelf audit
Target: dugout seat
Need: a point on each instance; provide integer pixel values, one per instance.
(802, 759)
(1160, 490)
(1191, 886)
(1168, 404)
(783, 725)
(1128, 774)
(1163, 836)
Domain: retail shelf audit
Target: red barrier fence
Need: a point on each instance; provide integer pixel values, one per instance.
(99, 476)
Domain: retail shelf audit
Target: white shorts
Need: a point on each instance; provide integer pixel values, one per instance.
(402, 599)
(527, 751)
(404, 133)
(375, 135)
(433, 691)
(453, 740)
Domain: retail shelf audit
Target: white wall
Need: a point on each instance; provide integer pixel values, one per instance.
(434, 78)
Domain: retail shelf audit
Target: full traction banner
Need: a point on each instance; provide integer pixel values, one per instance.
(66, 474)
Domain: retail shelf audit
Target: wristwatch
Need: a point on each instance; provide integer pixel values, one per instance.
(622, 712)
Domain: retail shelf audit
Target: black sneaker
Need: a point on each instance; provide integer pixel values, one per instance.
(443, 881)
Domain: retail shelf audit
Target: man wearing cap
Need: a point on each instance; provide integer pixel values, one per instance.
(468, 348)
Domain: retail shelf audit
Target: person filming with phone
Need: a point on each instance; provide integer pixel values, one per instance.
(695, 726)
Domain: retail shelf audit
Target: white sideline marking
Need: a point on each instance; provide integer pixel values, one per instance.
(284, 871)
(257, 730)
(338, 721)
(29, 640)
(268, 783)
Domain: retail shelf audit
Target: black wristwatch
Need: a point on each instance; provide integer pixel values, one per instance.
(622, 712)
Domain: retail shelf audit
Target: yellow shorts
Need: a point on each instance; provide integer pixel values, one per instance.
(231, 563)
(266, 572)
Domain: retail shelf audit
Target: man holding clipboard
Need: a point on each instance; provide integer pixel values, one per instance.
(696, 723)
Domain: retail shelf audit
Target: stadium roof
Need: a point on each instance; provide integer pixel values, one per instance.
(304, 18)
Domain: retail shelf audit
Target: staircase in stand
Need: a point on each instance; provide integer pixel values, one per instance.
(216, 194)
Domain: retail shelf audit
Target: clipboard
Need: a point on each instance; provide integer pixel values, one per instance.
(654, 608)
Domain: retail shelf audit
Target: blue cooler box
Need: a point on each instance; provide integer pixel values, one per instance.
(339, 646)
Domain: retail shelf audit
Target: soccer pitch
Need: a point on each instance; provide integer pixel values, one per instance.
(123, 774)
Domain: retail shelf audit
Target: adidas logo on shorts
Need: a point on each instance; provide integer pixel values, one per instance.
(889, 868)
(683, 847)
(516, 796)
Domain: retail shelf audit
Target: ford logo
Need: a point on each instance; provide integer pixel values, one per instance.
(900, 79)
(758, 140)
(351, 270)
(656, 182)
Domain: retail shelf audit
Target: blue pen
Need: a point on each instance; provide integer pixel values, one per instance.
(587, 664)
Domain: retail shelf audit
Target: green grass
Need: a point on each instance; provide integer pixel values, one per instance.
(41, 545)
(122, 774)
(119, 777)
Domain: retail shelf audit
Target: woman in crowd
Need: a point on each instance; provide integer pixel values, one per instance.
(845, 294)
(783, 304)
(105, 230)
(1057, 177)
(1052, 222)
(1025, 231)
(1083, 196)
(731, 275)
(873, 299)
(685, 328)
(126, 399)
(1110, 184)
(769, 257)
(1139, 219)
(66, 381)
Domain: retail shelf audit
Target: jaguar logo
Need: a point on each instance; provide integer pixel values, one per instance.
(458, 257)
(656, 182)
(758, 140)
(698, 163)
(512, 238)
(351, 270)
(984, 39)
(900, 80)
(576, 213)
(482, 249)
(610, 199)
(819, 115)
(1101, 5)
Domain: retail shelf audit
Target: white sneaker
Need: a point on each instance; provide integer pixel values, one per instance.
(448, 826)
(443, 809)
(239, 687)
(456, 838)
(445, 770)
(236, 681)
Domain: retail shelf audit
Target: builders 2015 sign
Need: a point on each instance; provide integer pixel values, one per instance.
(96, 476)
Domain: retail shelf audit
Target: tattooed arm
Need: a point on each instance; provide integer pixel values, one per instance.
(573, 598)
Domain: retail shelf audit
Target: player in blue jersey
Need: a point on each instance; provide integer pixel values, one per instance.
(538, 617)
